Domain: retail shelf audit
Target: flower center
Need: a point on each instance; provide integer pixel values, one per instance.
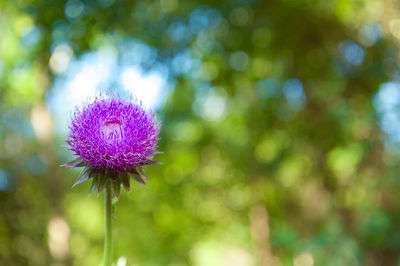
(112, 127)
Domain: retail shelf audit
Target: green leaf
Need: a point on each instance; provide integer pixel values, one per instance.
(124, 177)
(84, 175)
(116, 187)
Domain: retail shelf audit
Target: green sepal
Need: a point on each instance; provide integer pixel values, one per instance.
(94, 186)
(94, 172)
(150, 162)
(102, 183)
(116, 187)
(78, 162)
(110, 174)
(139, 172)
(138, 179)
(155, 153)
(84, 175)
(124, 177)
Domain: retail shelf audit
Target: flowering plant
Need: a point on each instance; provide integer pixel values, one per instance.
(112, 139)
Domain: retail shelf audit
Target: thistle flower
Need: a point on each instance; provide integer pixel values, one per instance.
(113, 139)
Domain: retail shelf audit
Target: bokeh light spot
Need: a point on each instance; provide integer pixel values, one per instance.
(293, 89)
(370, 34)
(352, 52)
(239, 61)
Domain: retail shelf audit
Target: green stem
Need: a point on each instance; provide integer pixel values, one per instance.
(107, 227)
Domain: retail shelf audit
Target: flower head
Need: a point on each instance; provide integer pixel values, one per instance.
(112, 138)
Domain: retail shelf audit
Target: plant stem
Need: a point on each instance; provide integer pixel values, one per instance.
(107, 227)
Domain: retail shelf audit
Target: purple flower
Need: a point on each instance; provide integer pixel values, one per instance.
(112, 138)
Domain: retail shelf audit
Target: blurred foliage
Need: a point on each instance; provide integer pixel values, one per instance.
(275, 149)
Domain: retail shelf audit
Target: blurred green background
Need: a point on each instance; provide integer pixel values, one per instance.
(281, 130)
